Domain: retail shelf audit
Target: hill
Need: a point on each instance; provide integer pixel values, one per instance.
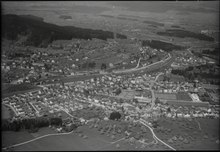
(39, 33)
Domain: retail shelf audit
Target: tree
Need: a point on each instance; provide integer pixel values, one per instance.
(157, 100)
(86, 92)
(103, 66)
(155, 124)
(135, 100)
(47, 67)
(115, 116)
(168, 110)
(118, 91)
(92, 64)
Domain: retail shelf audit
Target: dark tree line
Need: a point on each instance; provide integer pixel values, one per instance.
(161, 45)
(202, 72)
(32, 124)
(40, 33)
(88, 65)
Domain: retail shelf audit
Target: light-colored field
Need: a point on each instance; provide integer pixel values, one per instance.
(127, 94)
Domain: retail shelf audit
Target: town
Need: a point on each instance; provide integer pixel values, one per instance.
(113, 81)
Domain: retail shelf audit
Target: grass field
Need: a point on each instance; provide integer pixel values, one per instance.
(183, 96)
(204, 139)
(11, 137)
(75, 141)
(166, 96)
(69, 142)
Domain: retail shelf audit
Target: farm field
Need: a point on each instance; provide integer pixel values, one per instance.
(188, 134)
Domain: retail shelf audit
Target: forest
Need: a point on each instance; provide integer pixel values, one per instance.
(30, 124)
(183, 34)
(205, 73)
(41, 34)
(161, 45)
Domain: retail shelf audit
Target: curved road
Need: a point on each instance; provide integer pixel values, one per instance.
(26, 142)
(155, 137)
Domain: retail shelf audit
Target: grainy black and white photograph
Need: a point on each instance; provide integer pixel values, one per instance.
(110, 75)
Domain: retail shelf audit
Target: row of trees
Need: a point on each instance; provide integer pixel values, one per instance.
(92, 65)
(88, 65)
(32, 124)
(199, 72)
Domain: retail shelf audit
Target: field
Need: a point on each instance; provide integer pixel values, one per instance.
(174, 96)
(11, 137)
(127, 94)
(77, 141)
(183, 96)
(176, 78)
(189, 136)
(166, 96)
(72, 142)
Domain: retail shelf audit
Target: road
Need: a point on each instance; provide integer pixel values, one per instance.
(198, 124)
(155, 137)
(158, 76)
(138, 63)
